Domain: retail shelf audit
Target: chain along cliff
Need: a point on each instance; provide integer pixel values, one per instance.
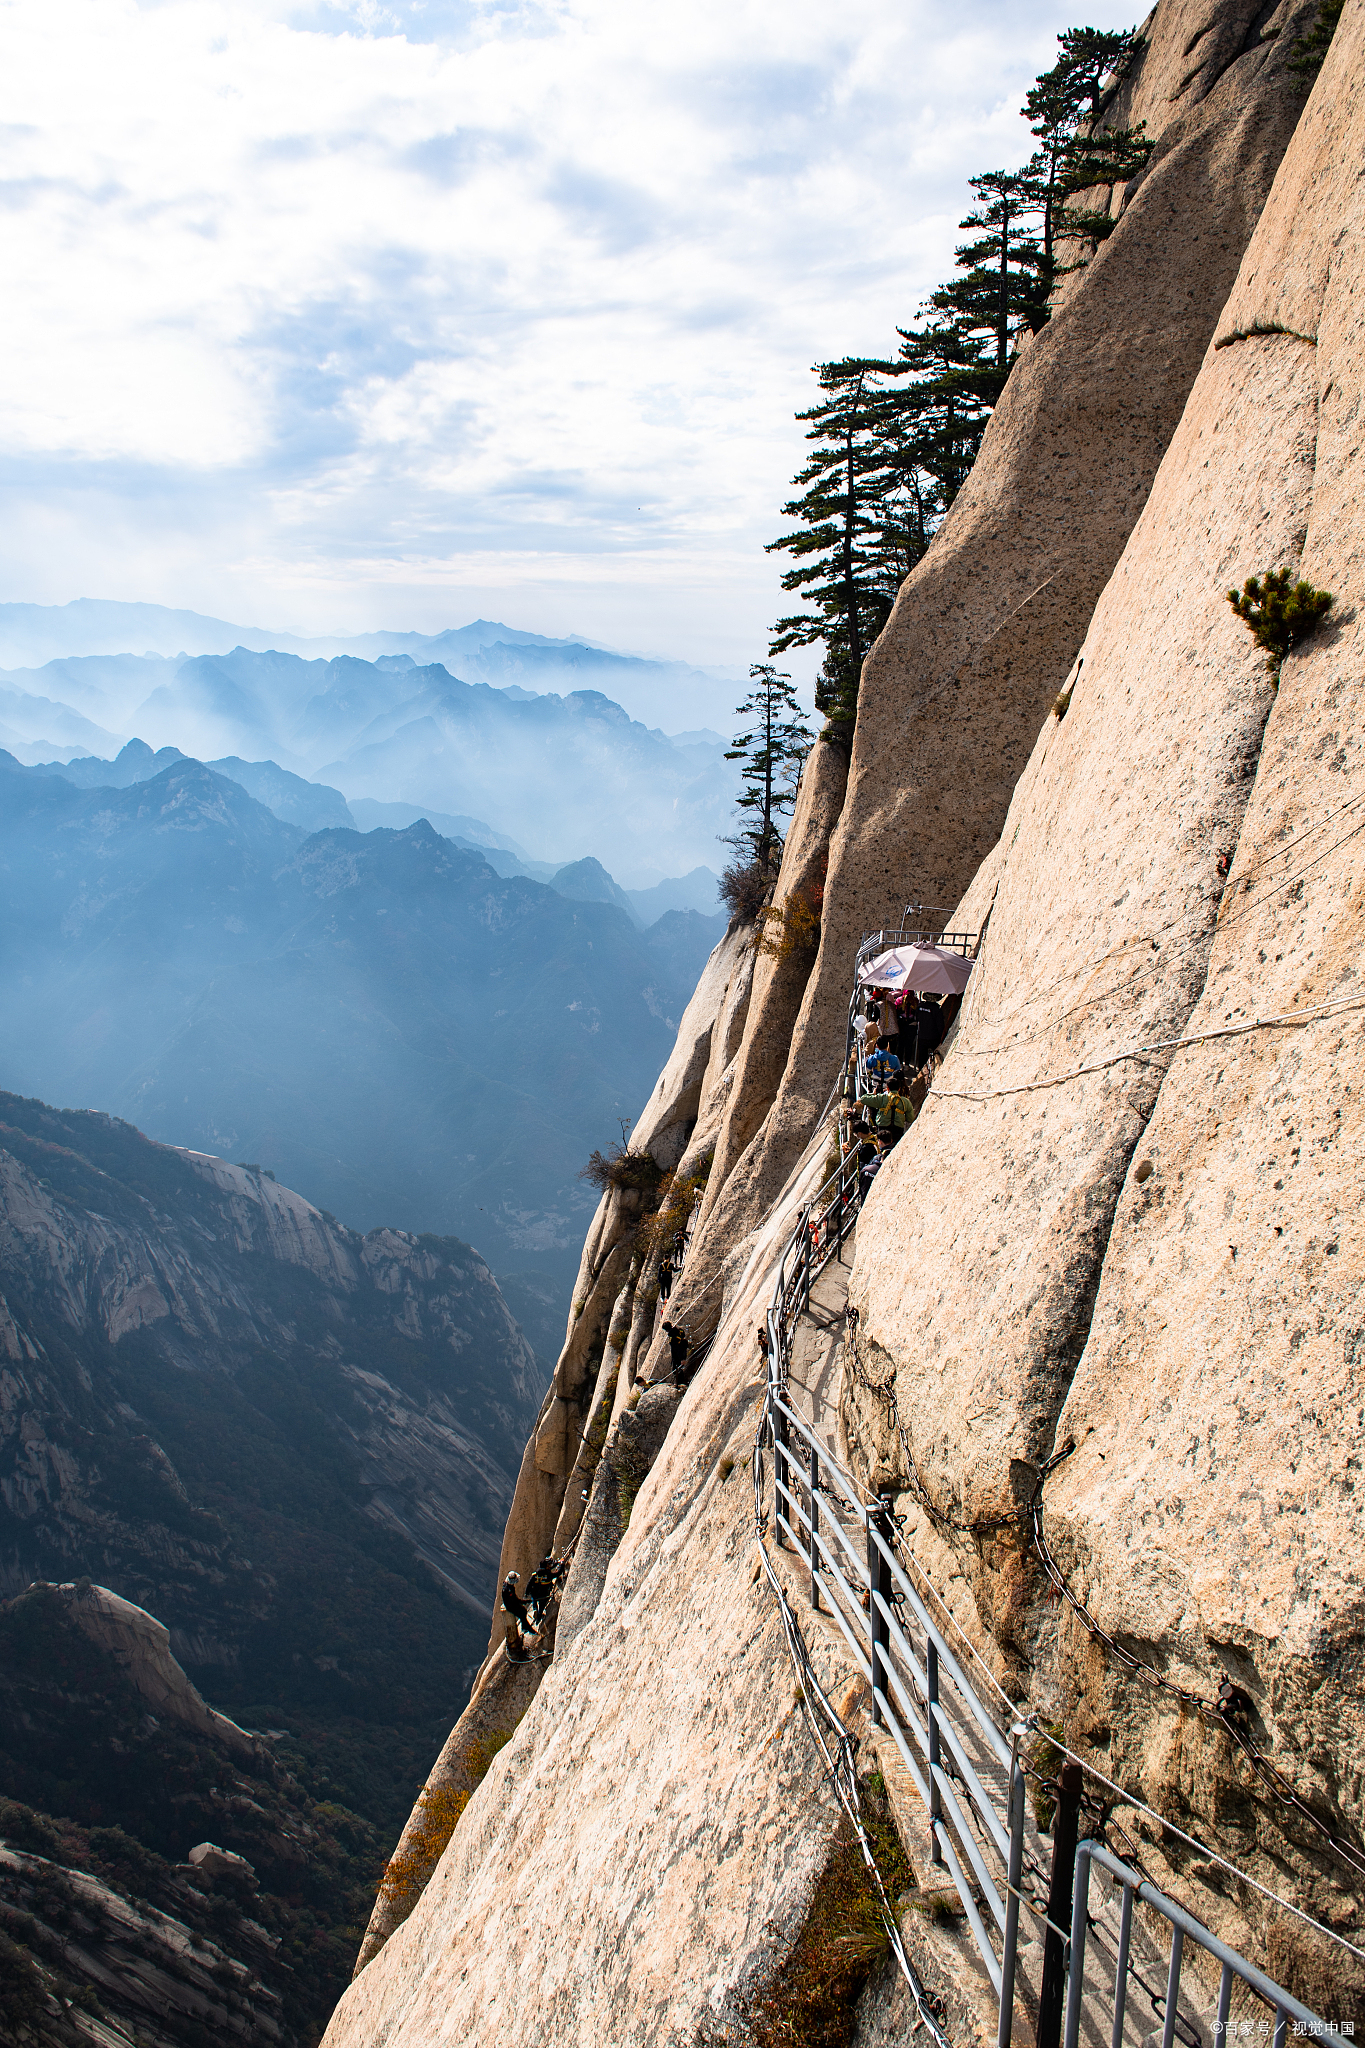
(1104, 1341)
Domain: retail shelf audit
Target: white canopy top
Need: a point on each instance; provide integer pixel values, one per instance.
(930, 970)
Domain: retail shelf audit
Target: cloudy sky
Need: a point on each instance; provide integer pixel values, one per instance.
(332, 317)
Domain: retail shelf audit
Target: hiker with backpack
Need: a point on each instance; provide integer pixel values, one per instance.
(892, 1111)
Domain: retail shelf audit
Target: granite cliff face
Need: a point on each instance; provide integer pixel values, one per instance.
(1131, 1262)
(986, 629)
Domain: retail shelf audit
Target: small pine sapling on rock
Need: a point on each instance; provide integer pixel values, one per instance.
(1280, 612)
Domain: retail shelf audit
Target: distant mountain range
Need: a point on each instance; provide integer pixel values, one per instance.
(396, 1029)
(31, 634)
(570, 775)
(317, 808)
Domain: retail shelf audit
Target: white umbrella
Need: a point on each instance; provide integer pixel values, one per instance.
(931, 970)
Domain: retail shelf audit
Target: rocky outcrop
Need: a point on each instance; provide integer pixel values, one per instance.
(138, 1975)
(750, 1162)
(140, 1646)
(165, 1879)
(111, 1245)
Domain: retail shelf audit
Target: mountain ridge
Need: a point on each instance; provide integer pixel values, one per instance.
(571, 771)
(350, 1008)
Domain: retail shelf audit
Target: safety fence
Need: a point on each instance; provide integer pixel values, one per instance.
(1234, 1968)
(968, 1772)
(921, 923)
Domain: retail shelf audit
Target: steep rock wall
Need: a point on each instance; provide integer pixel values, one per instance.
(640, 1855)
(679, 1124)
(986, 628)
(1158, 1260)
(582, 1420)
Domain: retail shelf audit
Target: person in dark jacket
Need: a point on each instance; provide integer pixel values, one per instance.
(678, 1348)
(907, 1038)
(513, 1602)
(929, 1019)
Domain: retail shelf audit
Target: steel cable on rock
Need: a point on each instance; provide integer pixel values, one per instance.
(1222, 1713)
(1225, 1712)
(1287, 1021)
(1222, 922)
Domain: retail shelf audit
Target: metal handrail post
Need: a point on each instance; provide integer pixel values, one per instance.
(1121, 1970)
(931, 1715)
(781, 1470)
(1015, 1868)
(814, 1528)
(878, 1521)
(1173, 1985)
(1070, 1782)
(1080, 1906)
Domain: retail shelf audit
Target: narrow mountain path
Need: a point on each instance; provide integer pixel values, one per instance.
(817, 1353)
(943, 1943)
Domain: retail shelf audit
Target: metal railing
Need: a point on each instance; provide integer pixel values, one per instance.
(1182, 1925)
(920, 925)
(968, 1773)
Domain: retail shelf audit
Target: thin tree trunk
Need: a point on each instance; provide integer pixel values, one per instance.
(855, 638)
(1002, 331)
(768, 777)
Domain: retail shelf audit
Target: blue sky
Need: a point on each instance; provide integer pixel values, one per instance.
(333, 317)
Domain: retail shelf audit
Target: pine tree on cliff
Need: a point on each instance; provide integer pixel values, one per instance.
(894, 441)
(772, 748)
(839, 544)
(1065, 107)
(999, 290)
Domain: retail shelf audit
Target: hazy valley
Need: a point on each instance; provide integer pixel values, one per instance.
(382, 1019)
(293, 1445)
(569, 774)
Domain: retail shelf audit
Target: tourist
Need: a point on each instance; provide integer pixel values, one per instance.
(678, 1348)
(892, 1110)
(513, 1602)
(883, 1066)
(907, 1041)
(866, 1028)
(540, 1587)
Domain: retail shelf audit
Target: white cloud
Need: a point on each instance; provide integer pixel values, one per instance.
(339, 316)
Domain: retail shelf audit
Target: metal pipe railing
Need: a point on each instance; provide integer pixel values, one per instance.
(1183, 1926)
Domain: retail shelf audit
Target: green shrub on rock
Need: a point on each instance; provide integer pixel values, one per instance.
(1280, 612)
